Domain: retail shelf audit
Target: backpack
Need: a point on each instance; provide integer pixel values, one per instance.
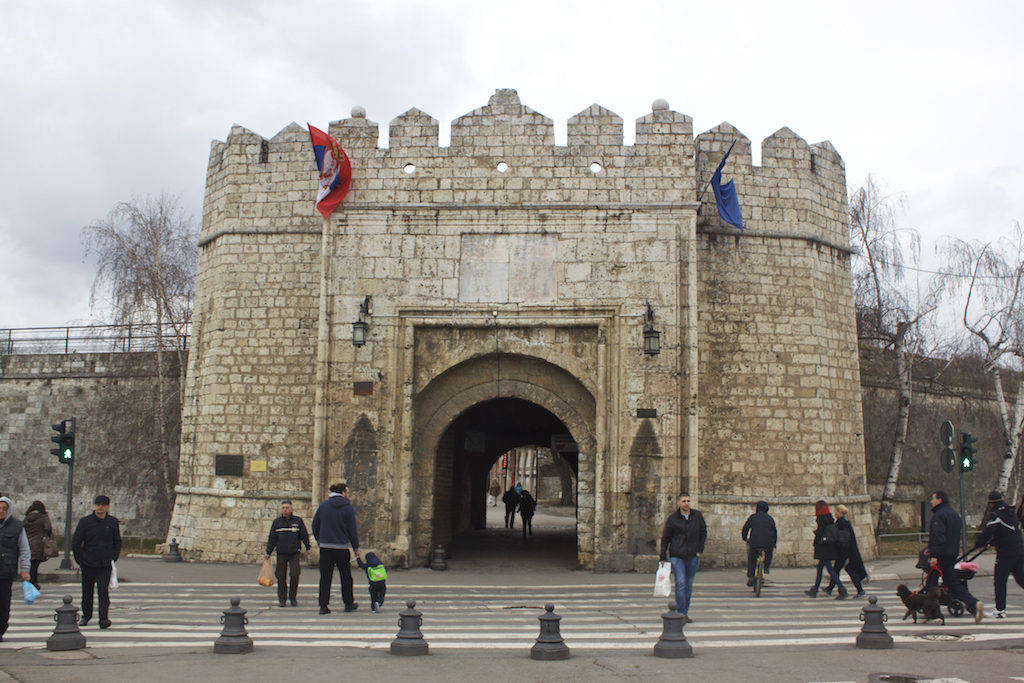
(377, 573)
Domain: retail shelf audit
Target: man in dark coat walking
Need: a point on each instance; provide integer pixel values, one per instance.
(760, 534)
(334, 527)
(943, 542)
(95, 544)
(682, 543)
(287, 536)
(511, 501)
(1002, 530)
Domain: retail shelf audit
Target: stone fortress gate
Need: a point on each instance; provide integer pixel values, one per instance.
(506, 283)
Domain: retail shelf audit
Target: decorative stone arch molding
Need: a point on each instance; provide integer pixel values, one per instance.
(496, 376)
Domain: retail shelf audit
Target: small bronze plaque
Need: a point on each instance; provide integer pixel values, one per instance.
(362, 388)
(647, 412)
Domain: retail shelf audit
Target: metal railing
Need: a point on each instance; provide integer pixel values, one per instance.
(91, 339)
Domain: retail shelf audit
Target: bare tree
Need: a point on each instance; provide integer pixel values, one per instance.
(147, 255)
(990, 277)
(887, 315)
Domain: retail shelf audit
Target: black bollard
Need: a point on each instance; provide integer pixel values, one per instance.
(672, 643)
(873, 635)
(409, 640)
(550, 645)
(234, 640)
(173, 555)
(66, 635)
(437, 560)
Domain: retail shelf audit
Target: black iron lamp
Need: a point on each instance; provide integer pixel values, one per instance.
(360, 326)
(652, 337)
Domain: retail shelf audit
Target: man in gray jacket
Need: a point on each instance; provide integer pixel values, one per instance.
(15, 558)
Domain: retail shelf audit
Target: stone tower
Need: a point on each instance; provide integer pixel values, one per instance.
(506, 284)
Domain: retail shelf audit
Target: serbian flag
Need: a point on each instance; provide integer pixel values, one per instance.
(335, 171)
(725, 195)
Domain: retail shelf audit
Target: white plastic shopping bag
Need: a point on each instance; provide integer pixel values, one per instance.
(663, 580)
(113, 577)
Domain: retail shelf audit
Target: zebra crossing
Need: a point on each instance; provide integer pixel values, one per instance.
(604, 615)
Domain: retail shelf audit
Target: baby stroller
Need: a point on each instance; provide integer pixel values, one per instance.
(965, 571)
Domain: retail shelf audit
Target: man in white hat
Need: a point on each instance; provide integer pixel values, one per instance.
(15, 558)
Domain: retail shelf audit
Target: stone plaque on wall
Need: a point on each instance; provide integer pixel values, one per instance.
(507, 269)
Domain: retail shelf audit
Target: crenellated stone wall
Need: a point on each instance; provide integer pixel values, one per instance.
(506, 275)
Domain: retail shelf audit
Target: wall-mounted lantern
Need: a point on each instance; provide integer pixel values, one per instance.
(360, 327)
(652, 337)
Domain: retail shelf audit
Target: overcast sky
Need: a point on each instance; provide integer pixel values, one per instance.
(101, 101)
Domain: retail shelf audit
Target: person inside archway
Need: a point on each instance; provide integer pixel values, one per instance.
(527, 506)
(493, 491)
(511, 501)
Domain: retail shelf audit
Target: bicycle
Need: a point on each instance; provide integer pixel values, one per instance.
(759, 572)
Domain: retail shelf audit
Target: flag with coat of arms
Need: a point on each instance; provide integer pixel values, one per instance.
(335, 171)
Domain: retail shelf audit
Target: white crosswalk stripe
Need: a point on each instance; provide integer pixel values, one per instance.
(598, 616)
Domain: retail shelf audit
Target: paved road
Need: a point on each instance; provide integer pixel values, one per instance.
(480, 619)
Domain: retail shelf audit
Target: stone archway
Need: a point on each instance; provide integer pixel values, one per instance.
(473, 383)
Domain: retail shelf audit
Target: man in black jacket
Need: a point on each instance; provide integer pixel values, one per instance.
(287, 535)
(760, 534)
(1002, 529)
(943, 542)
(682, 543)
(96, 543)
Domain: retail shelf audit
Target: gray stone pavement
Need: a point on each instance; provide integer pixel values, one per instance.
(988, 660)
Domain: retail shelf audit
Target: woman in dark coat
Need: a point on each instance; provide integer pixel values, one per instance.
(37, 529)
(849, 554)
(825, 550)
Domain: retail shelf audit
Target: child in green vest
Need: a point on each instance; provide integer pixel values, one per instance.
(377, 575)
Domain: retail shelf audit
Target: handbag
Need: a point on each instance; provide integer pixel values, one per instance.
(113, 584)
(50, 548)
(663, 580)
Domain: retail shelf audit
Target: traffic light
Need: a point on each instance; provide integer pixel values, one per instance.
(967, 451)
(65, 440)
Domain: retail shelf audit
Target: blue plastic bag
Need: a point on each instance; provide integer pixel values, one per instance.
(29, 592)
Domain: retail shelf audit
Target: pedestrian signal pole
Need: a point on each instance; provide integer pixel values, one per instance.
(65, 452)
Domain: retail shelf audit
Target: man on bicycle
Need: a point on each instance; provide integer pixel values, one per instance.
(760, 534)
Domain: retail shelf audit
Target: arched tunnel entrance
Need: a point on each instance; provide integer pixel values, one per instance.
(466, 419)
(496, 432)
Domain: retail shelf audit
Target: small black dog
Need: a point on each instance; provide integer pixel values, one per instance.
(924, 601)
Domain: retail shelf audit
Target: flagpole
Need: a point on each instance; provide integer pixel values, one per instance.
(322, 351)
(702, 192)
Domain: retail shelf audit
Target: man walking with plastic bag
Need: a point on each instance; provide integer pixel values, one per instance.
(287, 536)
(96, 545)
(682, 543)
(15, 558)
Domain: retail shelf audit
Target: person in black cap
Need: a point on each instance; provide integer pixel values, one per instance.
(96, 543)
(1002, 529)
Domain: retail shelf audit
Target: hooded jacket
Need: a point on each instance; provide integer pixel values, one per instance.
(334, 523)
(759, 530)
(1003, 531)
(15, 556)
(371, 561)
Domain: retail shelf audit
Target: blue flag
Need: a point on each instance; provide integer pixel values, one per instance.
(725, 195)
